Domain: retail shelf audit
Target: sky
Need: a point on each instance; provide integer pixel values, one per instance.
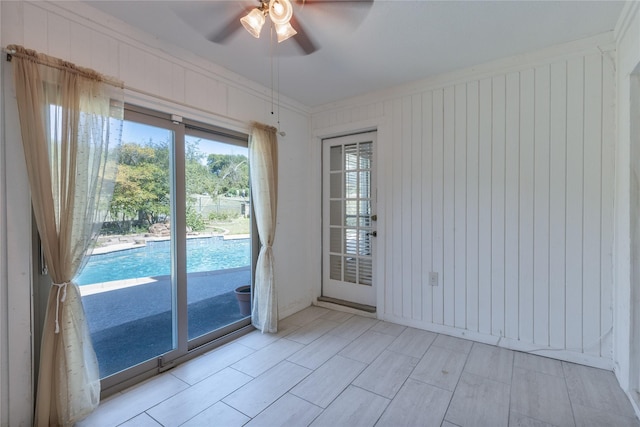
(140, 133)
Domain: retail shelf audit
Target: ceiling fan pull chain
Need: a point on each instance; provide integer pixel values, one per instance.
(271, 63)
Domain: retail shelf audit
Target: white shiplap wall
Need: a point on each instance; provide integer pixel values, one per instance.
(157, 76)
(502, 184)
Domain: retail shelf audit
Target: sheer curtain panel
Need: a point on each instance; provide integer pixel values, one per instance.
(71, 124)
(263, 169)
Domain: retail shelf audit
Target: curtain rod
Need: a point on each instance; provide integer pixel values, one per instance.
(61, 64)
(9, 52)
(231, 120)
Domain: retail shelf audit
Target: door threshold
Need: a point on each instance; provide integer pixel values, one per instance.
(349, 304)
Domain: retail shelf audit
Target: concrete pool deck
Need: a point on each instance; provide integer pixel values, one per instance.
(112, 303)
(132, 322)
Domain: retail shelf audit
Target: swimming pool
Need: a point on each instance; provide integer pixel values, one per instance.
(154, 259)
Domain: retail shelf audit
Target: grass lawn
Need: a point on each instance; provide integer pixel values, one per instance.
(233, 226)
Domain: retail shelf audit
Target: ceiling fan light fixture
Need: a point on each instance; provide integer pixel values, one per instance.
(280, 11)
(253, 22)
(284, 31)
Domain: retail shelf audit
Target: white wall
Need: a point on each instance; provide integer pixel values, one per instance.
(627, 225)
(501, 179)
(156, 76)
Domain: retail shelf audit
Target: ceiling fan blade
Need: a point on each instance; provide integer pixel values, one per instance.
(302, 38)
(232, 26)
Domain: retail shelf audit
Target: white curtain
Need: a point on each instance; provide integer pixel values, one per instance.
(71, 124)
(263, 162)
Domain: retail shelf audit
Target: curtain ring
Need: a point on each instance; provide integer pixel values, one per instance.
(61, 287)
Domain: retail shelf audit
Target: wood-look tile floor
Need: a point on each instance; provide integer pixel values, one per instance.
(329, 368)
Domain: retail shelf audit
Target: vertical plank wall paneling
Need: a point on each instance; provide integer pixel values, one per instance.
(437, 206)
(504, 187)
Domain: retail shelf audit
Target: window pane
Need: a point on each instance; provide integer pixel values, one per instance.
(350, 241)
(336, 158)
(335, 244)
(336, 212)
(364, 242)
(351, 185)
(335, 269)
(351, 157)
(351, 213)
(365, 185)
(335, 191)
(366, 155)
(350, 269)
(365, 271)
(128, 293)
(218, 234)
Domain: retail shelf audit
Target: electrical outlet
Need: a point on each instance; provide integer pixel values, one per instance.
(433, 278)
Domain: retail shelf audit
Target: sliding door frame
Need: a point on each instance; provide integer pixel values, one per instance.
(183, 348)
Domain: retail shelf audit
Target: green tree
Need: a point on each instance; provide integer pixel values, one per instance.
(231, 172)
(142, 185)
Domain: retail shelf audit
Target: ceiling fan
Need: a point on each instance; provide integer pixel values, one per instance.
(282, 14)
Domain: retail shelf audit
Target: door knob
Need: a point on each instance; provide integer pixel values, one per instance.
(374, 217)
(372, 233)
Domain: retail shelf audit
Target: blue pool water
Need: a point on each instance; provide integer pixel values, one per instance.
(154, 259)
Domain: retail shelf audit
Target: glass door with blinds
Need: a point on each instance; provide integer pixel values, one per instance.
(349, 218)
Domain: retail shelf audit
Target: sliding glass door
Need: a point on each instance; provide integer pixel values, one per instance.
(174, 257)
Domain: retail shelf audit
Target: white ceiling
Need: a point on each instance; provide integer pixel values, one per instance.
(368, 48)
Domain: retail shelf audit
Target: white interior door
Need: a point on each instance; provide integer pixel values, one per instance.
(348, 209)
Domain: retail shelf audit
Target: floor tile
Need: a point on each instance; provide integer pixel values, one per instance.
(416, 404)
(537, 363)
(142, 420)
(267, 357)
(329, 380)
(218, 415)
(596, 388)
(490, 362)
(453, 343)
(257, 340)
(386, 374)
(305, 316)
(331, 368)
(255, 396)
(367, 346)
(214, 361)
(479, 402)
(337, 316)
(388, 328)
(353, 327)
(287, 411)
(190, 402)
(440, 367)
(123, 407)
(541, 396)
(592, 417)
(413, 342)
(312, 331)
(318, 352)
(519, 420)
(355, 407)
